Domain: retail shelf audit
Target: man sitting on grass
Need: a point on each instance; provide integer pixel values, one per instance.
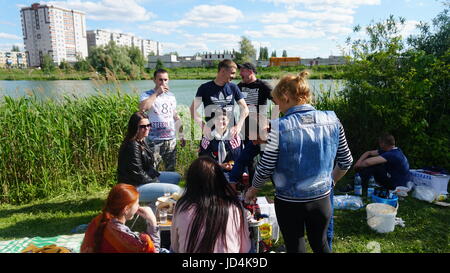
(388, 165)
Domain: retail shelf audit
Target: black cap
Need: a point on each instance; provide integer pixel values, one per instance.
(248, 66)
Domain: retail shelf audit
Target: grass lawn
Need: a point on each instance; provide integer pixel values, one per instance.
(426, 225)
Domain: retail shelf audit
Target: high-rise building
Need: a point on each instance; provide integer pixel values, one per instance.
(58, 32)
(102, 37)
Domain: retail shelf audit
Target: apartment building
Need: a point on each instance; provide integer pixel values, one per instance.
(102, 37)
(13, 59)
(52, 30)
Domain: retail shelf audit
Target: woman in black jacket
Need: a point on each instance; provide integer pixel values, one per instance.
(136, 163)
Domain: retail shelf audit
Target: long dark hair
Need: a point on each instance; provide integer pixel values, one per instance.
(120, 196)
(133, 125)
(210, 195)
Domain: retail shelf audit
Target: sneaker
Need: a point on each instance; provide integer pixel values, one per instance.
(347, 188)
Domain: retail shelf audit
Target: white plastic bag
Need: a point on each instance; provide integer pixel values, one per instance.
(402, 191)
(347, 202)
(424, 193)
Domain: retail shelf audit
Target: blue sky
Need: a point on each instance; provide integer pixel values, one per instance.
(305, 28)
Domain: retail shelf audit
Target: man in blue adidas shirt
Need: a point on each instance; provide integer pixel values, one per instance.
(220, 95)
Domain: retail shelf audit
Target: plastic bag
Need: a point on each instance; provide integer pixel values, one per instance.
(402, 191)
(424, 193)
(350, 202)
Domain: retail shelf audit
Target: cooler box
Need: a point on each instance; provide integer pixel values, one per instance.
(438, 182)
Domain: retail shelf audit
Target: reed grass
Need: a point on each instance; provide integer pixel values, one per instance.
(49, 147)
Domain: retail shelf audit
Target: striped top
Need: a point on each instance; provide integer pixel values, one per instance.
(266, 166)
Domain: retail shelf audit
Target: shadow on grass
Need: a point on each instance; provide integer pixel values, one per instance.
(65, 207)
(44, 227)
(49, 219)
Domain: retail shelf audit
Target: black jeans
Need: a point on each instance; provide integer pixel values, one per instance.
(294, 217)
(379, 173)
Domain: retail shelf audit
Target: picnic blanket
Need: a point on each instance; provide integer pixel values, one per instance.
(72, 242)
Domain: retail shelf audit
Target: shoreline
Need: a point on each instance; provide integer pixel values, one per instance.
(265, 73)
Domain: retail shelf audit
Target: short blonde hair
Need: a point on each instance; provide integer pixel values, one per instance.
(295, 87)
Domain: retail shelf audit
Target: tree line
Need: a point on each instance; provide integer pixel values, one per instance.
(109, 59)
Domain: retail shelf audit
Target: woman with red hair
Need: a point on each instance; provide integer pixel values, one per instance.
(107, 233)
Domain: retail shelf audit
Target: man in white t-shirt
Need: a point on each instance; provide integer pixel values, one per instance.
(160, 105)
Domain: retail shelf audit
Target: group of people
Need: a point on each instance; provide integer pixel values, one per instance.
(304, 153)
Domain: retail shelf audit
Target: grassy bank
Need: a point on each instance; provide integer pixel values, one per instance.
(425, 231)
(320, 72)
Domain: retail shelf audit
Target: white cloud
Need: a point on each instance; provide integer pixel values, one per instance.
(409, 28)
(342, 3)
(164, 27)
(200, 16)
(219, 14)
(330, 14)
(111, 10)
(316, 19)
(9, 36)
(7, 47)
(299, 30)
(183, 48)
(8, 23)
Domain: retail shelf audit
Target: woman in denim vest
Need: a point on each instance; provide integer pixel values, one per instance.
(302, 148)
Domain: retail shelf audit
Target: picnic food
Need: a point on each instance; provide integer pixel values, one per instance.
(168, 203)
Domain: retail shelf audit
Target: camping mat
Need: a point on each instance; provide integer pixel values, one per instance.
(71, 242)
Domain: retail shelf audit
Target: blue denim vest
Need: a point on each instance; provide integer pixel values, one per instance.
(308, 142)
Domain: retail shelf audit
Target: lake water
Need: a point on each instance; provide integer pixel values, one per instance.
(184, 90)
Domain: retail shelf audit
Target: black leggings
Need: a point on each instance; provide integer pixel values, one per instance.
(294, 217)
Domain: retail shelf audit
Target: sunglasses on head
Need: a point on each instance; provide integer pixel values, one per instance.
(145, 126)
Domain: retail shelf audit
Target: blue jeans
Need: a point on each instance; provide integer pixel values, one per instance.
(330, 230)
(166, 182)
(245, 160)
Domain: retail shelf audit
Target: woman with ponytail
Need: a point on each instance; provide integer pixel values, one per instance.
(302, 148)
(107, 233)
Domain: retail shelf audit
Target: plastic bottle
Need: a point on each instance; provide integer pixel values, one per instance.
(358, 185)
(371, 188)
(245, 179)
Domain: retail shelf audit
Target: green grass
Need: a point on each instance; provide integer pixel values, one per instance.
(426, 230)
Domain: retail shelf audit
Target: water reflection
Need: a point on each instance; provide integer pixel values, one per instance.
(184, 90)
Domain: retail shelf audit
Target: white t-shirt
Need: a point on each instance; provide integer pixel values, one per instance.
(161, 115)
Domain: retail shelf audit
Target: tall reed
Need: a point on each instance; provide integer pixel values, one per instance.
(49, 147)
(52, 147)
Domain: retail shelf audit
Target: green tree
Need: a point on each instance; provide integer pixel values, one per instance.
(81, 64)
(64, 65)
(390, 87)
(159, 65)
(47, 64)
(110, 58)
(15, 48)
(284, 53)
(136, 57)
(266, 53)
(435, 38)
(274, 53)
(247, 52)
